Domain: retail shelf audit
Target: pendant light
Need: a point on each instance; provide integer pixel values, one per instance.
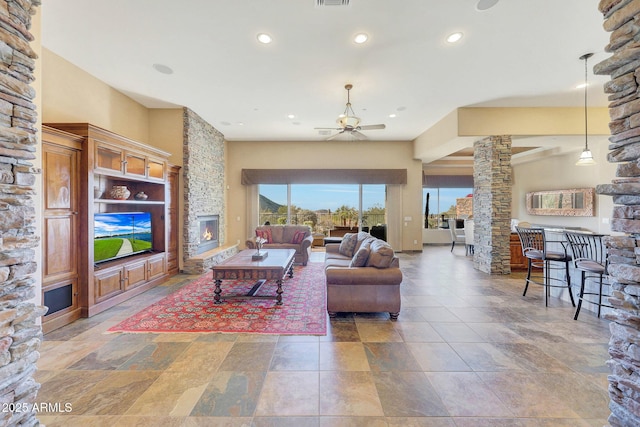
(586, 158)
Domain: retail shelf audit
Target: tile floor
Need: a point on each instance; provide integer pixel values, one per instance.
(467, 350)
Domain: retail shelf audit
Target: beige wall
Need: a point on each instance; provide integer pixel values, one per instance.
(560, 172)
(323, 155)
(72, 95)
(165, 132)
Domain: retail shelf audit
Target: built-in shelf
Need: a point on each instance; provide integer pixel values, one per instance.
(106, 160)
(129, 202)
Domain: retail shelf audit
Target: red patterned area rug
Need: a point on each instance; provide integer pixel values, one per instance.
(192, 308)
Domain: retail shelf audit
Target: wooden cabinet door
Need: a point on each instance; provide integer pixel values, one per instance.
(60, 213)
(109, 158)
(135, 165)
(155, 169)
(108, 283)
(135, 274)
(518, 261)
(172, 219)
(155, 266)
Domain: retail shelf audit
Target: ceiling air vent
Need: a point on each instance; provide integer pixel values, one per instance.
(323, 3)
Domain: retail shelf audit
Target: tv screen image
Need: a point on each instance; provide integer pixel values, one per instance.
(120, 234)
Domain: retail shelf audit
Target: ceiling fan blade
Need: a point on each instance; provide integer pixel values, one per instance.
(358, 135)
(372, 127)
(334, 136)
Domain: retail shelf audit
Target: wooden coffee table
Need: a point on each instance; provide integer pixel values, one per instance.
(275, 266)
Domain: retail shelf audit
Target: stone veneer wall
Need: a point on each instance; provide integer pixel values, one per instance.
(492, 204)
(203, 150)
(20, 334)
(622, 19)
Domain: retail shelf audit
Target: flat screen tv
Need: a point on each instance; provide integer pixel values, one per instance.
(120, 234)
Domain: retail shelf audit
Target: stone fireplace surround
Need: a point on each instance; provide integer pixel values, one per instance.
(204, 194)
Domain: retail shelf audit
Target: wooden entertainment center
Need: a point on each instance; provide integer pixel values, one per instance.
(81, 165)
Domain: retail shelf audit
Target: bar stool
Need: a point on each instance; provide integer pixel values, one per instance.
(590, 258)
(534, 248)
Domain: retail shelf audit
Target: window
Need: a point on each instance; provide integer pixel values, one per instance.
(323, 206)
(444, 204)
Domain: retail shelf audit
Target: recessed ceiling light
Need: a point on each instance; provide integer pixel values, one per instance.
(264, 38)
(361, 38)
(485, 4)
(455, 37)
(161, 68)
(582, 85)
(240, 123)
(291, 116)
(392, 115)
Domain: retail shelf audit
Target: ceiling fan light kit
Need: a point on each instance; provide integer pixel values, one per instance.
(349, 123)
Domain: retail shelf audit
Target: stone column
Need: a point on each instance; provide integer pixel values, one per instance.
(622, 19)
(20, 332)
(492, 204)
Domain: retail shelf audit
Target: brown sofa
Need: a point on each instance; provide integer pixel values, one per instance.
(362, 277)
(296, 237)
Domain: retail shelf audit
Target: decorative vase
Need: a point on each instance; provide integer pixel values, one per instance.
(141, 196)
(120, 192)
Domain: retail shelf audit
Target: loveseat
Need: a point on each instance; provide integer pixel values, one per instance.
(363, 275)
(296, 237)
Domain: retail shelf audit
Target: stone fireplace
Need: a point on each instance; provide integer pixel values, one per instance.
(204, 237)
(208, 233)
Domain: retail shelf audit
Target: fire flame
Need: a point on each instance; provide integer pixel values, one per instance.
(207, 235)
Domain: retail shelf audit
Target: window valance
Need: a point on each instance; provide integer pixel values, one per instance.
(323, 176)
(447, 181)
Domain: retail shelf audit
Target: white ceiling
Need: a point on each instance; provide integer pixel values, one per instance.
(518, 53)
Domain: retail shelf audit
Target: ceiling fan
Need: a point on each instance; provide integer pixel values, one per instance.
(349, 123)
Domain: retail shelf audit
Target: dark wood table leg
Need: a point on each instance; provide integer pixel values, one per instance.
(279, 292)
(290, 272)
(218, 291)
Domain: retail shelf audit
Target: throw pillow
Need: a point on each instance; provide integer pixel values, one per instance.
(381, 254)
(348, 244)
(360, 258)
(265, 234)
(298, 237)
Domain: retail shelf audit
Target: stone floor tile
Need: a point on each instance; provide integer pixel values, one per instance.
(202, 358)
(230, 394)
(296, 356)
(343, 356)
(155, 356)
(408, 394)
(115, 393)
(417, 332)
(420, 422)
(353, 422)
(437, 357)
(465, 395)
(289, 394)
(386, 356)
(349, 393)
(173, 394)
(378, 332)
(254, 356)
(456, 332)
